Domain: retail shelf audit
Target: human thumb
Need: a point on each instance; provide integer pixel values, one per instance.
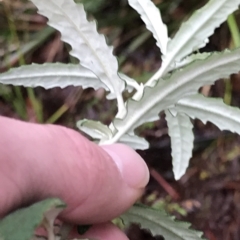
(42, 161)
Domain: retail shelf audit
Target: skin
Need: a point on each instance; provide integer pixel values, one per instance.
(97, 183)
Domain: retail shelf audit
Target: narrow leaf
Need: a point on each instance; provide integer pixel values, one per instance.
(101, 133)
(193, 33)
(177, 86)
(181, 134)
(210, 109)
(151, 16)
(95, 129)
(51, 75)
(159, 223)
(87, 45)
(21, 224)
(134, 141)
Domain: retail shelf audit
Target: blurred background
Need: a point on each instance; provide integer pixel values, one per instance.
(208, 195)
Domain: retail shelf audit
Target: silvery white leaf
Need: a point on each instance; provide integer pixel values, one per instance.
(134, 141)
(95, 129)
(131, 83)
(211, 109)
(188, 60)
(51, 75)
(193, 33)
(87, 44)
(180, 84)
(181, 134)
(151, 16)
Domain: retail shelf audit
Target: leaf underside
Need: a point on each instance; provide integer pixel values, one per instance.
(94, 129)
(134, 141)
(50, 75)
(100, 132)
(211, 109)
(181, 135)
(194, 33)
(87, 44)
(180, 84)
(189, 59)
(151, 16)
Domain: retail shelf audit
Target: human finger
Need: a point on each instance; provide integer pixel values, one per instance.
(41, 161)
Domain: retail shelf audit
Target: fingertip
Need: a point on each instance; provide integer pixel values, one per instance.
(132, 167)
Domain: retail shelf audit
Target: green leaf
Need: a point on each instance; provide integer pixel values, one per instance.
(180, 84)
(87, 44)
(159, 223)
(210, 109)
(51, 75)
(21, 224)
(194, 33)
(181, 134)
(151, 16)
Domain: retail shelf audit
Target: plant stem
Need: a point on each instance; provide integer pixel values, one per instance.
(21, 107)
(228, 92)
(58, 114)
(234, 30)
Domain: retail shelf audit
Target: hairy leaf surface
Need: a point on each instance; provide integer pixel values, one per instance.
(21, 224)
(134, 141)
(159, 223)
(51, 75)
(101, 132)
(193, 33)
(94, 129)
(181, 134)
(151, 16)
(132, 83)
(211, 109)
(188, 60)
(181, 83)
(87, 44)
